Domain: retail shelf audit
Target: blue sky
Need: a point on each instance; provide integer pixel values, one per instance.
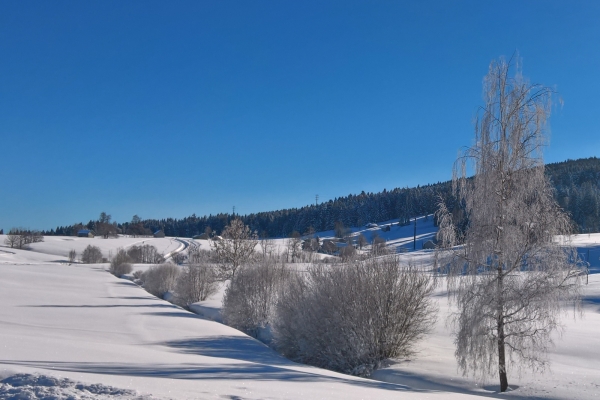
(164, 109)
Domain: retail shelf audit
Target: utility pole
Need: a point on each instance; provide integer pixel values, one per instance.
(316, 200)
(415, 237)
(233, 211)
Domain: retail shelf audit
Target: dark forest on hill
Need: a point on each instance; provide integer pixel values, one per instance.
(577, 185)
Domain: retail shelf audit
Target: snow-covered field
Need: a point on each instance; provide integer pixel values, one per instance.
(91, 335)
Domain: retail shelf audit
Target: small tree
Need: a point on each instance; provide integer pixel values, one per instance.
(72, 256)
(136, 227)
(267, 247)
(249, 304)
(12, 239)
(145, 254)
(120, 264)
(178, 258)
(195, 283)
(160, 279)
(19, 238)
(294, 246)
(378, 244)
(236, 248)
(511, 277)
(340, 230)
(362, 241)
(91, 255)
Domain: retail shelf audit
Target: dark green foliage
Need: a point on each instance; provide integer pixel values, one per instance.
(577, 184)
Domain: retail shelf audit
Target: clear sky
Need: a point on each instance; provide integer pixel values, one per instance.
(164, 109)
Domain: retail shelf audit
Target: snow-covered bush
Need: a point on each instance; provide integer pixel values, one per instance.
(72, 255)
(160, 279)
(249, 301)
(120, 264)
(350, 317)
(195, 283)
(145, 254)
(91, 255)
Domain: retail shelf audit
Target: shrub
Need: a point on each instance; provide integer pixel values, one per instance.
(195, 283)
(137, 275)
(91, 255)
(145, 254)
(350, 317)
(249, 301)
(120, 264)
(72, 256)
(160, 279)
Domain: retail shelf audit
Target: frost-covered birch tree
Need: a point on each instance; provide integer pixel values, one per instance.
(236, 247)
(512, 274)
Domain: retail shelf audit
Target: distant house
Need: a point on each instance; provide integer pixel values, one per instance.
(85, 233)
(159, 234)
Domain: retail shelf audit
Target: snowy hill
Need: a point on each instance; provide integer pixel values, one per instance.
(81, 323)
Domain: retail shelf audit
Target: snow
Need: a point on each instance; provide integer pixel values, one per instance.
(87, 334)
(61, 245)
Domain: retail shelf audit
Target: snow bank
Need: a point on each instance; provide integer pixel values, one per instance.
(35, 386)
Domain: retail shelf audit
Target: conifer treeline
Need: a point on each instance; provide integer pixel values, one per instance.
(577, 184)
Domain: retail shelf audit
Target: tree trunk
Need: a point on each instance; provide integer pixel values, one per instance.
(501, 338)
(502, 359)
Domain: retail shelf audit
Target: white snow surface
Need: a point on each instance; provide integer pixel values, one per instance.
(77, 332)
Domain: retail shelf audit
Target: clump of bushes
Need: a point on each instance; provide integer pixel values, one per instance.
(249, 301)
(161, 279)
(91, 255)
(350, 317)
(196, 282)
(120, 264)
(145, 254)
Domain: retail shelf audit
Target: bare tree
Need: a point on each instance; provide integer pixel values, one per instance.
(378, 244)
(178, 258)
(511, 277)
(362, 241)
(136, 227)
(236, 248)
(249, 304)
(294, 246)
(160, 279)
(195, 283)
(104, 227)
(196, 255)
(267, 247)
(20, 238)
(120, 264)
(12, 239)
(72, 255)
(145, 254)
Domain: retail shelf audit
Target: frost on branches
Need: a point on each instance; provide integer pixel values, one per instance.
(511, 276)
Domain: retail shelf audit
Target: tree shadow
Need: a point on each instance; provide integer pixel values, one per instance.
(243, 348)
(177, 313)
(419, 382)
(149, 297)
(228, 372)
(102, 306)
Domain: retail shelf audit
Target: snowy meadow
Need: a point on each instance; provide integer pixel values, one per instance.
(77, 331)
